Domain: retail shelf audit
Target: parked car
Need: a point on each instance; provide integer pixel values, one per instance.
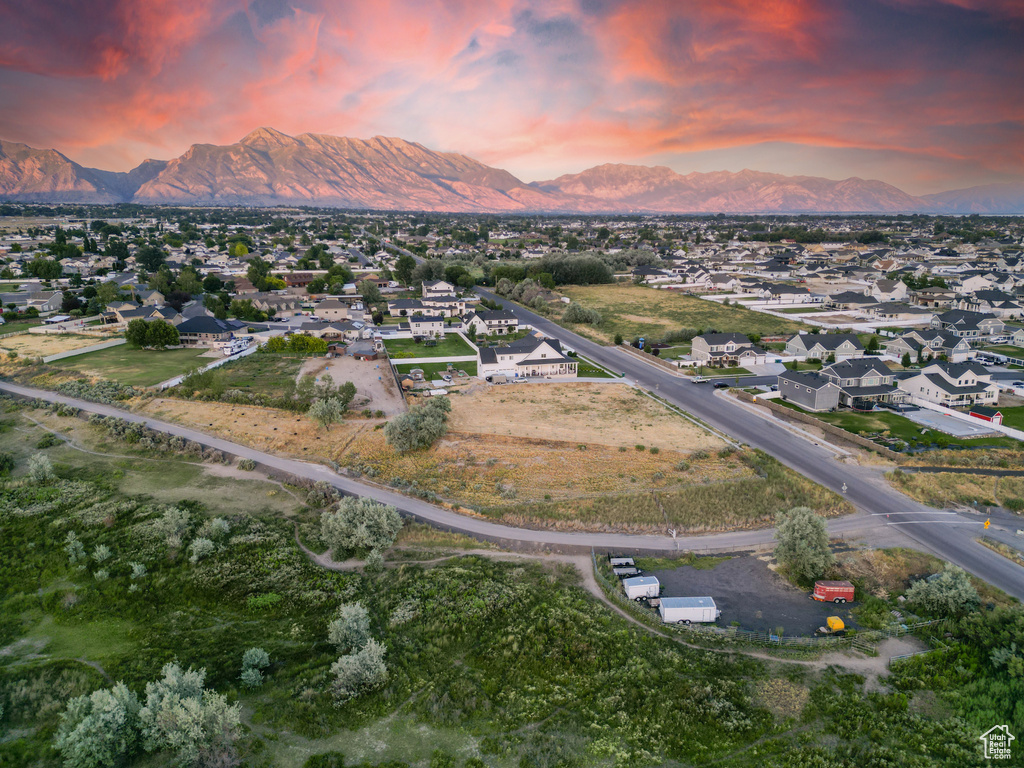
(833, 626)
(698, 379)
(1018, 383)
(721, 385)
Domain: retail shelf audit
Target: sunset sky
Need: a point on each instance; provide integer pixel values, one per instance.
(924, 94)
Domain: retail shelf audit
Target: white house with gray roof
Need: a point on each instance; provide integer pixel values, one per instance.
(953, 385)
(532, 356)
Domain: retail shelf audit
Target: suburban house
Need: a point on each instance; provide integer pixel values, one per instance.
(445, 306)
(491, 322)
(437, 288)
(969, 325)
(333, 309)
(531, 356)
(888, 290)
(864, 382)
(952, 385)
(819, 346)
(810, 390)
(722, 350)
(282, 305)
(1017, 339)
(930, 343)
(424, 325)
(338, 330)
(849, 300)
(405, 307)
(151, 298)
(208, 331)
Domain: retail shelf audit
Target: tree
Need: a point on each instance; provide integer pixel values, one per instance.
(350, 629)
(370, 292)
(258, 272)
(577, 313)
(137, 332)
(150, 257)
(873, 344)
(44, 269)
(950, 593)
(254, 660)
(420, 427)
(212, 283)
(329, 410)
(100, 729)
(905, 361)
(183, 717)
(404, 268)
(359, 672)
(161, 334)
(6, 463)
(803, 543)
(189, 282)
(359, 523)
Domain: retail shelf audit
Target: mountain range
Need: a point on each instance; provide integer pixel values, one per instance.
(269, 168)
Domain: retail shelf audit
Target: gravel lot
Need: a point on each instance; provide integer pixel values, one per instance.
(748, 591)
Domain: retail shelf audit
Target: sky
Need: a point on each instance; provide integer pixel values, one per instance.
(924, 94)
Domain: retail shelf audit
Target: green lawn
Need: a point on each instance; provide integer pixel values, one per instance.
(137, 367)
(1013, 417)
(590, 369)
(19, 326)
(675, 352)
(272, 376)
(634, 311)
(799, 310)
(1005, 349)
(718, 373)
(451, 345)
(804, 366)
(434, 370)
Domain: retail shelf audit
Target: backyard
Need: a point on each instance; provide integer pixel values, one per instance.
(18, 326)
(435, 370)
(451, 345)
(634, 311)
(135, 367)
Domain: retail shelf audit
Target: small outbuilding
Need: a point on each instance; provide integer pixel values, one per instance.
(991, 415)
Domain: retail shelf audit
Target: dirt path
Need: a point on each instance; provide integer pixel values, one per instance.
(872, 668)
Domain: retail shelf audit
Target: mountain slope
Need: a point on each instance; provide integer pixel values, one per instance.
(990, 198)
(660, 189)
(268, 167)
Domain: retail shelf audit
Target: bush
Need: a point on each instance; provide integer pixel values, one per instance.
(420, 427)
(803, 543)
(359, 672)
(48, 441)
(359, 523)
(200, 549)
(6, 463)
(246, 465)
(251, 678)
(577, 313)
(100, 729)
(375, 561)
(950, 593)
(40, 469)
(350, 630)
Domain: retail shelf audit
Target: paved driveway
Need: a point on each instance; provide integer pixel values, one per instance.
(948, 424)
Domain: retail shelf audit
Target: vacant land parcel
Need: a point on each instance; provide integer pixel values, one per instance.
(633, 311)
(42, 345)
(136, 367)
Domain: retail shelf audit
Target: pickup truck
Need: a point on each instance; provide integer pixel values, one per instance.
(698, 379)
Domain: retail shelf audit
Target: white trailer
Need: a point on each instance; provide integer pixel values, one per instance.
(684, 610)
(619, 561)
(639, 587)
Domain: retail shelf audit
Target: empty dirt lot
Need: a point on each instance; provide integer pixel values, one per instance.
(44, 344)
(615, 415)
(375, 384)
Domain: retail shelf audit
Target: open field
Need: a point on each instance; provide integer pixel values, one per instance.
(137, 367)
(605, 414)
(451, 345)
(945, 489)
(638, 311)
(271, 376)
(42, 345)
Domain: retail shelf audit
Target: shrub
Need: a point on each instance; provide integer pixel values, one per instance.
(640, 447)
(40, 469)
(101, 553)
(251, 678)
(48, 441)
(174, 525)
(359, 523)
(74, 548)
(100, 729)
(138, 570)
(803, 543)
(1014, 505)
(255, 658)
(948, 594)
(359, 672)
(577, 313)
(246, 465)
(350, 630)
(6, 463)
(375, 561)
(420, 427)
(200, 549)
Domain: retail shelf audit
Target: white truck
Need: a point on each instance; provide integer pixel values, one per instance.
(684, 610)
(641, 587)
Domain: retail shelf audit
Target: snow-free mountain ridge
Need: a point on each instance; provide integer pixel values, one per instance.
(269, 168)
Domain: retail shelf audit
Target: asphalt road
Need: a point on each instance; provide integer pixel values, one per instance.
(947, 534)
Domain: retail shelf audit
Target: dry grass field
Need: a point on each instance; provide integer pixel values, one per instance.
(42, 345)
(944, 489)
(602, 414)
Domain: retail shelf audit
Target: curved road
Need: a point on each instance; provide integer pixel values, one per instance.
(949, 535)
